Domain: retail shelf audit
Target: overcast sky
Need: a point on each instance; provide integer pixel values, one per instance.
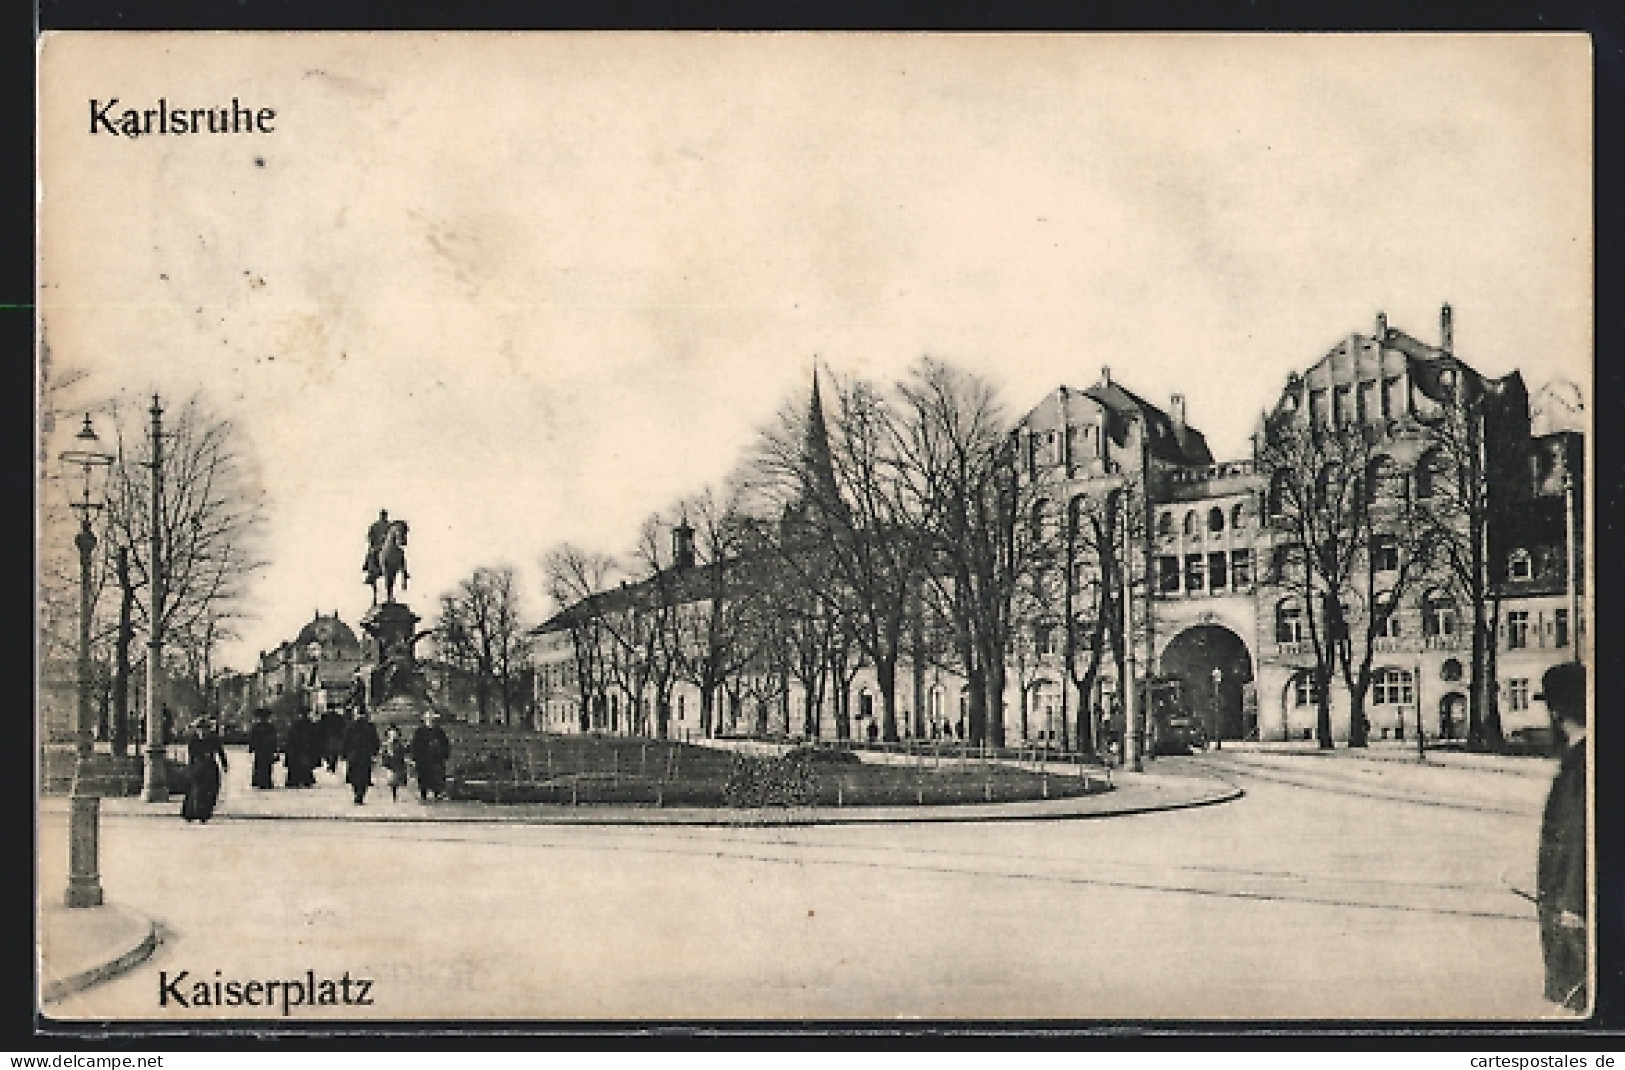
(526, 289)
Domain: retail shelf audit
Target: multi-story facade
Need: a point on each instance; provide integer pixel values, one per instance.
(1123, 496)
(312, 672)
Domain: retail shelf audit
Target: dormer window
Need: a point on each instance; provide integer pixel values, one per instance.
(1520, 566)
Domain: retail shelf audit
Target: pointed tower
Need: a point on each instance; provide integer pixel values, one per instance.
(821, 487)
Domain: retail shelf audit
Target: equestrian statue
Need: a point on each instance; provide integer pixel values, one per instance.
(386, 555)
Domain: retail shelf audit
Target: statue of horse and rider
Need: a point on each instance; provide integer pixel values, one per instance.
(386, 555)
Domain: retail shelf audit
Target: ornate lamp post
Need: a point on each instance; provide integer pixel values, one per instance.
(84, 808)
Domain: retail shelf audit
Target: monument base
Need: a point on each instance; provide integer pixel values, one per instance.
(403, 710)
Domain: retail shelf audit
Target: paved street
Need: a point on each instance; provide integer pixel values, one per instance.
(1334, 888)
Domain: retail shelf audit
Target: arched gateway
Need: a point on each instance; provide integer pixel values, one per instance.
(1217, 672)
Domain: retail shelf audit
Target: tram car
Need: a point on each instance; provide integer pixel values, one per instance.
(1174, 728)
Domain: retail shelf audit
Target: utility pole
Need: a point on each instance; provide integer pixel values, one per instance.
(155, 785)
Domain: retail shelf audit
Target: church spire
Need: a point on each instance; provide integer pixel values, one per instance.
(820, 470)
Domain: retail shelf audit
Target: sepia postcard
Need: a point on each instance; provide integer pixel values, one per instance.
(652, 527)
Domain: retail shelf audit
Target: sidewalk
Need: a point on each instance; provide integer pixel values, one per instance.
(1405, 752)
(79, 947)
(1484, 783)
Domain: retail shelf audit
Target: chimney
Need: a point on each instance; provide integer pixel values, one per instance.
(1176, 409)
(1382, 326)
(1106, 375)
(1445, 341)
(682, 546)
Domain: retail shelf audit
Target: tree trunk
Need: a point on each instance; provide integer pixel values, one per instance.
(1494, 740)
(993, 683)
(1086, 708)
(1323, 710)
(708, 701)
(121, 657)
(1358, 733)
(886, 678)
(917, 664)
(1359, 688)
(843, 709)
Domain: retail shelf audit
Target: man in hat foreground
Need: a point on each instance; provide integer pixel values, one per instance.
(430, 749)
(1561, 874)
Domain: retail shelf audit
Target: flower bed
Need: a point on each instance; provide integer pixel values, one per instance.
(585, 771)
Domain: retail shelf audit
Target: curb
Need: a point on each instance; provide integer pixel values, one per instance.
(646, 817)
(53, 991)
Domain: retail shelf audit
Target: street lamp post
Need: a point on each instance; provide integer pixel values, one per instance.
(155, 784)
(1218, 725)
(84, 807)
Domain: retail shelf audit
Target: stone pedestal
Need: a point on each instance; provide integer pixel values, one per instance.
(396, 690)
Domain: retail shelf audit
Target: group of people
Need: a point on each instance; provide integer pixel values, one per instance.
(312, 743)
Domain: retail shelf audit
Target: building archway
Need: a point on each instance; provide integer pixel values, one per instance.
(1192, 656)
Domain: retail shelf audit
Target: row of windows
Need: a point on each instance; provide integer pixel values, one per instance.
(1048, 448)
(1215, 571)
(1389, 687)
(1397, 687)
(1523, 630)
(1215, 521)
(1439, 619)
(1373, 400)
(1383, 480)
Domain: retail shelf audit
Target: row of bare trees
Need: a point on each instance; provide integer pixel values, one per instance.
(210, 518)
(891, 532)
(1357, 536)
(895, 531)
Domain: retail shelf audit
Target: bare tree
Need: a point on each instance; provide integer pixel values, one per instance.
(211, 515)
(660, 650)
(576, 581)
(1317, 498)
(1397, 553)
(481, 631)
(1463, 492)
(843, 481)
(715, 586)
(967, 504)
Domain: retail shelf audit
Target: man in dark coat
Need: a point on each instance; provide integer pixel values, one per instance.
(1561, 882)
(333, 730)
(302, 749)
(360, 747)
(430, 750)
(262, 745)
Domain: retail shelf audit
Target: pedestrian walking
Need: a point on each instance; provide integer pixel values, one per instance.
(360, 747)
(262, 745)
(430, 751)
(301, 751)
(393, 757)
(1560, 881)
(334, 728)
(205, 761)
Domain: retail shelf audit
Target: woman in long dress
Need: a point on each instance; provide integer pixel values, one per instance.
(205, 762)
